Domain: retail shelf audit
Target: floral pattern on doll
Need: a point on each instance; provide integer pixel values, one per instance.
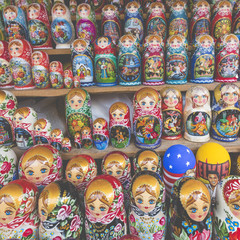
(100, 133)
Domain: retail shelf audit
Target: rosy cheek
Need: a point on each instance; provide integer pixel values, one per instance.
(175, 102)
(195, 100)
(166, 101)
(235, 99)
(225, 98)
(193, 216)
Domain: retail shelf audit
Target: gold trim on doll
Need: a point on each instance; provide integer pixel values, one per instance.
(148, 160)
(76, 98)
(2, 96)
(15, 48)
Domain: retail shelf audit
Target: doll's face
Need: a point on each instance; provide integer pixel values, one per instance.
(84, 11)
(178, 7)
(213, 179)
(53, 67)
(118, 115)
(203, 6)
(7, 213)
(33, 12)
(79, 47)
(127, 42)
(85, 132)
(154, 42)
(74, 176)
(53, 135)
(206, 43)
(170, 99)
(109, 11)
(149, 166)
(175, 43)
(145, 202)
(232, 42)
(235, 208)
(156, 9)
(225, 8)
(98, 126)
(59, 11)
(147, 103)
(15, 50)
(132, 8)
(9, 14)
(37, 129)
(115, 171)
(42, 211)
(98, 209)
(200, 100)
(18, 119)
(36, 59)
(102, 42)
(230, 98)
(76, 102)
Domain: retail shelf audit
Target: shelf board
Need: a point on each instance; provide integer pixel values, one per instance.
(63, 51)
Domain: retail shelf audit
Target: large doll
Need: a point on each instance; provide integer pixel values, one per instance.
(18, 218)
(42, 131)
(100, 133)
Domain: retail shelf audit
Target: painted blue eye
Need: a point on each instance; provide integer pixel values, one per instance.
(151, 201)
(226, 94)
(102, 209)
(92, 207)
(143, 103)
(120, 114)
(153, 168)
(30, 173)
(72, 101)
(43, 212)
(235, 206)
(205, 209)
(79, 101)
(114, 115)
(139, 200)
(69, 175)
(110, 172)
(118, 172)
(78, 177)
(145, 168)
(166, 97)
(8, 212)
(196, 96)
(99, 126)
(151, 103)
(43, 170)
(194, 210)
(234, 94)
(20, 118)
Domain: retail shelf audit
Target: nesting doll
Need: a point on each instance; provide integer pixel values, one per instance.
(62, 29)
(120, 4)
(189, 210)
(111, 25)
(41, 164)
(47, 4)
(147, 217)
(15, 22)
(8, 105)
(129, 61)
(227, 58)
(197, 114)
(147, 118)
(19, 219)
(86, 137)
(82, 62)
(40, 69)
(59, 212)
(100, 133)
(130, 237)
(156, 22)
(236, 20)
(56, 138)
(42, 131)
(68, 78)
(153, 61)
(119, 125)
(73, 7)
(86, 23)
(8, 165)
(105, 62)
(66, 145)
(225, 112)
(56, 74)
(105, 212)
(178, 161)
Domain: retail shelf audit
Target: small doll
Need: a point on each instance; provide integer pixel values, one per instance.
(172, 110)
(23, 121)
(227, 58)
(147, 193)
(20, 52)
(111, 25)
(68, 78)
(225, 112)
(42, 131)
(56, 74)
(189, 210)
(105, 211)
(86, 137)
(66, 145)
(120, 4)
(59, 212)
(100, 133)
(129, 61)
(133, 23)
(56, 138)
(18, 203)
(119, 125)
(15, 23)
(153, 61)
(236, 20)
(73, 7)
(197, 114)
(62, 29)
(41, 165)
(147, 118)
(8, 105)
(5, 75)
(77, 140)
(76, 82)
(203, 60)
(86, 23)
(105, 62)
(176, 60)
(40, 69)
(83, 62)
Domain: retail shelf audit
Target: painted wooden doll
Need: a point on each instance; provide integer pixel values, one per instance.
(20, 52)
(68, 78)
(197, 114)
(120, 4)
(23, 121)
(111, 25)
(62, 29)
(129, 61)
(18, 202)
(147, 118)
(100, 133)
(76, 82)
(8, 105)
(189, 210)
(56, 138)
(105, 212)
(105, 62)
(227, 58)
(130, 237)
(82, 61)
(56, 74)
(73, 7)
(153, 61)
(176, 60)
(47, 4)
(236, 20)
(66, 145)
(225, 112)
(59, 212)
(86, 137)
(40, 69)
(147, 217)
(42, 131)
(119, 125)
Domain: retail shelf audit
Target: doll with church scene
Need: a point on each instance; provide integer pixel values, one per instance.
(100, 133)
(56, 138)
(42, 131)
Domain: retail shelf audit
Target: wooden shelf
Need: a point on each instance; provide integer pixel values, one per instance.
(64, 51)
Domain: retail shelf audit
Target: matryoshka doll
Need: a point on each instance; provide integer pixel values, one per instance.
(82, 62)
(56, 138)
(100, 133)
(59, 212)
(105, 211)
(227, 58)
(19, 219)
(42, 131)
(20, 52)
(68, 78)
(41, 165)
(153, 61)
(147, 217)
(56, 74)
(147, 118)
(105, 62)
(120, 4)
(189, 212)
(197, 114)
(129, 61)
(23, 121)
(73, 7)
(119, 125)
(225, 112)
(47, 4)
(40, 69)
(62, 29)
(66, 145)
(86, 137)
(236, 20)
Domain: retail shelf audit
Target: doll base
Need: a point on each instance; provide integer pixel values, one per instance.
(24, 88)
(226, 80)
(192, 138)
(202, 81)
(87, 84)
(106, 84)
(62, 46)
(153, 83)
(150, 146)
(224, 139)
(172, 137)
(176, 82)
(129, 83)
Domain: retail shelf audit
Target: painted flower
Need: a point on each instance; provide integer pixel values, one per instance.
(133, 230)
(11, 104)
(205, 234)
(158, 235)
(118, 228)
(59, 162)
(64, 212)
(162, 221)
(75, 224)
(28, 232)
(6, 167)
(57, 238)
(234, 235)
(132, 218)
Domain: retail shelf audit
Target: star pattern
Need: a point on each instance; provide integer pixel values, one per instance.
(170, 166)
(179, 156)
(168, 155)
(187, 163)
